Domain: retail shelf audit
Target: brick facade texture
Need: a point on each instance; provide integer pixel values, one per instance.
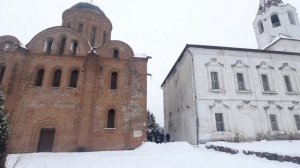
(78, 115)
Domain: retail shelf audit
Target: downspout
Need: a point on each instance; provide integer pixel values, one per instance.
(195, 97)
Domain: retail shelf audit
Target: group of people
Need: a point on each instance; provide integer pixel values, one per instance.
(158, 137)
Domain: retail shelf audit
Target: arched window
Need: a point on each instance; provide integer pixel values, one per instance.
(73, 79)
(2, 71)
(104, 37)
(93, 36)
(80, 27)
(73, 47)
(48, 46)
(6, 47)
(56, 78)
(275, 20)
(291, 18)
(111, 118)
(62, 45)
(39, 77)
(114, 80)
(260, 27)
(116, 53)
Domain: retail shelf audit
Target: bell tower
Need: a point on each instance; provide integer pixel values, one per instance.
(275, 20)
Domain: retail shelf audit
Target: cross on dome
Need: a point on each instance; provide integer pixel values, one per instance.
(264, 5)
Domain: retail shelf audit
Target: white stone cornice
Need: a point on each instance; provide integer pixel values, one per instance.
(293, 105)
(246, 104)
(214, 62)
(239, 63)
(272, 104)
(264, 65)
(286, 66)
(218, 103)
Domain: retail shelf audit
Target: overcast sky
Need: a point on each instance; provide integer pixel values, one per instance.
(158, 28)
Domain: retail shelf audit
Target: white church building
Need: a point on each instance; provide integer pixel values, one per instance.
(215, 93)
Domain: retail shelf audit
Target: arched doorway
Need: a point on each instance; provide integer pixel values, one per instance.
(46, 140)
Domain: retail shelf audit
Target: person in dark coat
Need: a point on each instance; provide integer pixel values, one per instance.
(168, 137)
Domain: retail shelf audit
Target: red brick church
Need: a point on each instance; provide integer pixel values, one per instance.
(72, 88)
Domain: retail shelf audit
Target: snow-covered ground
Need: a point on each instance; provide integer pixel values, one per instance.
(149, 155)
(290, 148)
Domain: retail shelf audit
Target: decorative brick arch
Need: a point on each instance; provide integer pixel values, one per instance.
(36, 45)
(45, 123)
(107, 49)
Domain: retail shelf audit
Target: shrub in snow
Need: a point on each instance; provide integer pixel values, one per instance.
(4, 131)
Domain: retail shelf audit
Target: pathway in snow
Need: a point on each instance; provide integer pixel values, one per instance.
(150, 155)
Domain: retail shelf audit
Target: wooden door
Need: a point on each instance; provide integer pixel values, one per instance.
(46, 140)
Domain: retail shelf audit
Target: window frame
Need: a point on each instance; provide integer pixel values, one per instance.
(111, 119)
(116, 53)
(291, 18)
(74, 47)
(219, 119)
(215, 80)
(2, 73)
(73, 83)
(80, 27)
(297, 121)
(266, 88)
(261, 28)
(274, 122)
(243, 86)
(39, 77)
(114, 80)
(62, 45)
(56, 80)
(288, 83)
(93, 36)
(275, 20)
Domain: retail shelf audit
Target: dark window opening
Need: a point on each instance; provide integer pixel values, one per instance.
(275, 20)
(68, 24)
(46, 140)
(297, 120)
(111, 119)
(104, 38)
(74, 47)
(288, 83)
(80, 28)
(214, 80)
(93, 36)
(114, 80)
(56, 78)
(62, 45)
(241, 81)
(116, 53)
(291, 18)
(39, 77)
(2, 71)
(220, 122)
(265, 82)
(274, 123)
(73, 79)
(260, 27)
(49, 46)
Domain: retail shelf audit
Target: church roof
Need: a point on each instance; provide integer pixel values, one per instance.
(264, 5)
(86, 5)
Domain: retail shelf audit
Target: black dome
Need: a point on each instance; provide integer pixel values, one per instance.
(85, 5)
